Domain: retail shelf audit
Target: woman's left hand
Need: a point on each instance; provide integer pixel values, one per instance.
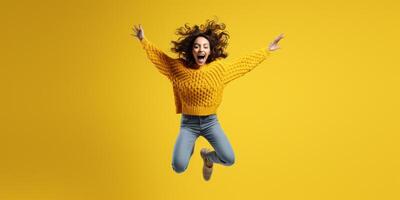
(274, 45)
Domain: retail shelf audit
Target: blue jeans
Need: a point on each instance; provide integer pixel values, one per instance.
(207, 126)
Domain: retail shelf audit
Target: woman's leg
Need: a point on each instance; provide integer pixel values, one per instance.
(215, 135)
(184, 145)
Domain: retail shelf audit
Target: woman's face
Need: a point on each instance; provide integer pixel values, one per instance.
(201, 50)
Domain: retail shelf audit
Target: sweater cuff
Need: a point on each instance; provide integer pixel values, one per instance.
(144, 42)
(267, 52)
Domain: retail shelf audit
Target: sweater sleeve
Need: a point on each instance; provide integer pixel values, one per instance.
(242, 65)
(161, 60)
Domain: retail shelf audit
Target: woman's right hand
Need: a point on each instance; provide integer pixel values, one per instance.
(138, 32)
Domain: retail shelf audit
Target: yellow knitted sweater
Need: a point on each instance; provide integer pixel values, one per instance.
(199, 91)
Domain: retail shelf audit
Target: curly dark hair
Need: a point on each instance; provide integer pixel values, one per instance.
(215, 34)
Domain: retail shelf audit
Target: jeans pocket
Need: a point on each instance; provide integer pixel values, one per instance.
(185, 120)
(211, 118)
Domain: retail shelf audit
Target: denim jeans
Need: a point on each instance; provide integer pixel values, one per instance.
(207, 126)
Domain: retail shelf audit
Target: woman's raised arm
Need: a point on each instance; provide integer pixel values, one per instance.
(244, 64)
(161, 60)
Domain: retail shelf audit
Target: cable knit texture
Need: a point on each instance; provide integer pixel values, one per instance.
(199, 91)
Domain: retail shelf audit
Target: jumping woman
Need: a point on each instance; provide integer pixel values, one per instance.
(199, 76)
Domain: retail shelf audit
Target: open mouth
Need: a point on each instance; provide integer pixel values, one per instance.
(201, 58)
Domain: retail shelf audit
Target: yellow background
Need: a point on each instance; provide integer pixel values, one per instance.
(85, 115)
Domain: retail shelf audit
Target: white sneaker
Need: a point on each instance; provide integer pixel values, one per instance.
(207, 164)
